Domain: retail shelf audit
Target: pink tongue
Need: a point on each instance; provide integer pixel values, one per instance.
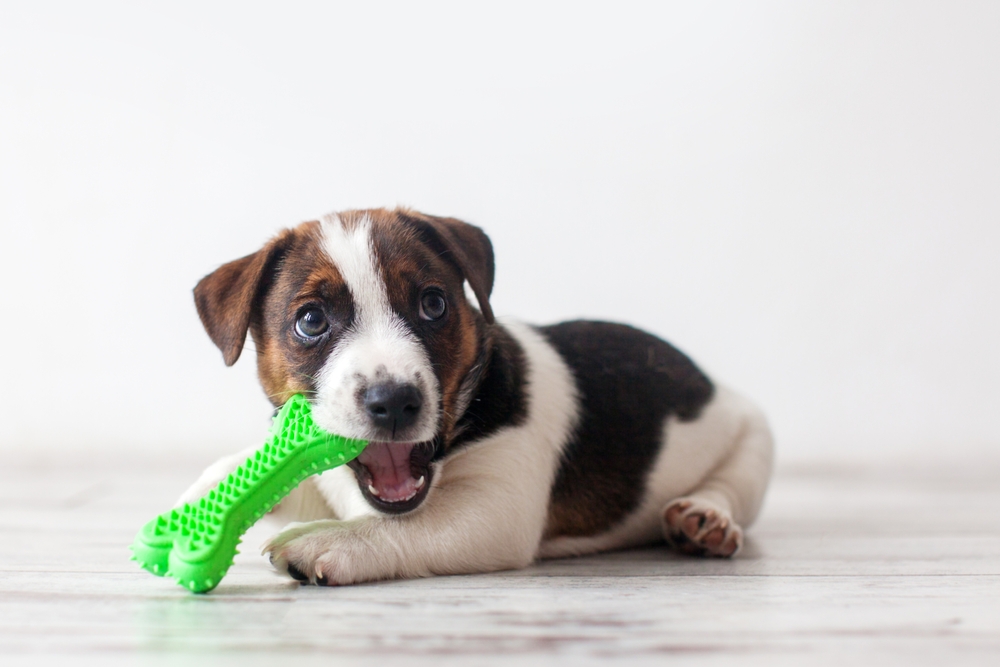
(389, 465)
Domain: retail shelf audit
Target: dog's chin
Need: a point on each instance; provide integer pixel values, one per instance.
(394, 477)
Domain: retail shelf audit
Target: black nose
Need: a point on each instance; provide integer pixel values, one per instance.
(393, 406)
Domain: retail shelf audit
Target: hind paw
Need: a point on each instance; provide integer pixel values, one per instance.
(697, 528)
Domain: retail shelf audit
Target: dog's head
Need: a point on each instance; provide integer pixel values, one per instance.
(365, 312)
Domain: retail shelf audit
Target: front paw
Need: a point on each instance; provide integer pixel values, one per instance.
(327, 553)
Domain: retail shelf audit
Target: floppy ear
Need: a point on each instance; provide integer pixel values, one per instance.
(227, 297)
(470, 248)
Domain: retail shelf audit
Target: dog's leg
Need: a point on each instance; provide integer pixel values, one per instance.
(304, 503)
(709, 520)
(481, 515)
(214, 474)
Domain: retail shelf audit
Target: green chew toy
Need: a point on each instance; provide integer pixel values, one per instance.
(196, 542)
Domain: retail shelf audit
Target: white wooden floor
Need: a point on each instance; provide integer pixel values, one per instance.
(847, 566)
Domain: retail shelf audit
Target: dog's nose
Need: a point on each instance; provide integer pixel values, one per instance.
(393, 406)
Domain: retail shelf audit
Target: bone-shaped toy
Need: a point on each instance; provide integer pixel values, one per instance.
(196, 542)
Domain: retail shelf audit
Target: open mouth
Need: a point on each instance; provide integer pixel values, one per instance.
(394, 476)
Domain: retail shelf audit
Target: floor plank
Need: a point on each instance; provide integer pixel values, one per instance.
(885, 566)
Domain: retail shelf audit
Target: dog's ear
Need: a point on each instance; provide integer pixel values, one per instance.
(227, 297)
(470, 249)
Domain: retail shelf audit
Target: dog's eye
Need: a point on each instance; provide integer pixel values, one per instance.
(311, 323)
(432, 305)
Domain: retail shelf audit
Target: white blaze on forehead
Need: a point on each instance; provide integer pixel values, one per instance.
(379, 341)
(354, 256)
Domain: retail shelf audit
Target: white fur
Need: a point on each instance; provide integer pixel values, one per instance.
(486, 509)
(339, 489)
(379, 345)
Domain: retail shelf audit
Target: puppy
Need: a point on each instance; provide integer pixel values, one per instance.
(491, 444)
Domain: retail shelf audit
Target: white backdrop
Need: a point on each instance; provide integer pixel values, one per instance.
(805, 197)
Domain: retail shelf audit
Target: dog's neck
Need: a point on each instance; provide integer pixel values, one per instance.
(492, 395)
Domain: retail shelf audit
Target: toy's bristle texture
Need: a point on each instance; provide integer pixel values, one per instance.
(196, 543)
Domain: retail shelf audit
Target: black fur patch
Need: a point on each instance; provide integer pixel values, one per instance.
(629, 382)
(499, 399)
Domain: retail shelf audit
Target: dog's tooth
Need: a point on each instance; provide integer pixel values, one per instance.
(372, 490)
(420, 482)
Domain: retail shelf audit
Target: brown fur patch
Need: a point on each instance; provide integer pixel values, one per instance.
(306, 277)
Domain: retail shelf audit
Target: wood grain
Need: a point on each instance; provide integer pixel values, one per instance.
(858, 565)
